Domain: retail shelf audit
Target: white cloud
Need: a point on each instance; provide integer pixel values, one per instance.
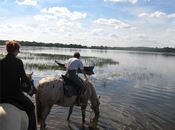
(27, 2)
(64, 13)
(97, 32)
(64, 23)
(157, 15)
(117, 24)
(131, 1)
(59, 24)
(45, 18)
(115, 1)
(172, 30)
(113, 36)
(142, 36)
(59, 20)
(15, 27)
(171, 15)
(143, 15)
(61, 11)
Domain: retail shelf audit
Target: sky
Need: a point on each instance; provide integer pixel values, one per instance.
(114, 23)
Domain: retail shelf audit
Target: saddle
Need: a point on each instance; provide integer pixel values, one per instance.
(70, 87)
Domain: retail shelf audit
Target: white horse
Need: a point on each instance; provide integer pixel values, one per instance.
(13, 118)
(50, 91)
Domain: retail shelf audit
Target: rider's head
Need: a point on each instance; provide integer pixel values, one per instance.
(12, 46)
(77, 55)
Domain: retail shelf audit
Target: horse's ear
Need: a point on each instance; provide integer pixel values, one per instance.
(31, 74)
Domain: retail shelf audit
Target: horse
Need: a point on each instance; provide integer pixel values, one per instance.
(50, 91)
(13, 118)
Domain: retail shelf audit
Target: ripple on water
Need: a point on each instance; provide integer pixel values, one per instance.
(148, 107)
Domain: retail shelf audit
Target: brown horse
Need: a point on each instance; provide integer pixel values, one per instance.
(50, 91)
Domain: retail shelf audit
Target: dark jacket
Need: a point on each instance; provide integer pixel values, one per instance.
(11, 75)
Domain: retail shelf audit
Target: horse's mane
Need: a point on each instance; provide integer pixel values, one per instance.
(48, 79)
(91, 86)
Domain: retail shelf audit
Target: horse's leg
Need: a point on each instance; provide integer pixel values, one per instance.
(83, 111)
(45, 111)
(70, 112)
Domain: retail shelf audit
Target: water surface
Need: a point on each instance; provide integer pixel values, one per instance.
(137, 90)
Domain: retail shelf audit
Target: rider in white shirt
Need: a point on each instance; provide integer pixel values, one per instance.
(72, 65)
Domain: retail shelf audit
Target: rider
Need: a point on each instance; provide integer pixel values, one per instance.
(12, 76)
(72, 65)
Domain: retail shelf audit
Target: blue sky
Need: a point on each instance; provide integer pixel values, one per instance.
(119, 23)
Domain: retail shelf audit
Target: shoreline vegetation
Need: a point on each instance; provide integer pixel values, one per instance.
(50, 58)
(42, 61)
(61, 45)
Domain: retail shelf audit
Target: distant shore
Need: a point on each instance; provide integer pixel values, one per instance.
(61, 45)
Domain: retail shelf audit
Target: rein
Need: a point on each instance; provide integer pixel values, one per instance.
(33, 89)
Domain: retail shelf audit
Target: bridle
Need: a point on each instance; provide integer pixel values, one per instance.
(33, 90)
(29, 87)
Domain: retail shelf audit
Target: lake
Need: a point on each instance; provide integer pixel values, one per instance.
(137, 89)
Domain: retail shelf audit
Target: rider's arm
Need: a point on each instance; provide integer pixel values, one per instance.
(85, 76)
(23, 76)
(83, 71)
(22, 71)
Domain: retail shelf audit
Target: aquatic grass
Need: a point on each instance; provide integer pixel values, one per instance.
(26, 57)
(2, 56)
(86, 59)
(42, 61)
(51, 56)
(100, 62)
(43, 66)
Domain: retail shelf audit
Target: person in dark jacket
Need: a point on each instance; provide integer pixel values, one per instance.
(12, 76)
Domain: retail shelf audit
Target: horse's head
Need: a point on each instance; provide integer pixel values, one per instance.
(95, 103)
(30, 85)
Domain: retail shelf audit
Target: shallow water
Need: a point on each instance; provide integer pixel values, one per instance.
(136, 94)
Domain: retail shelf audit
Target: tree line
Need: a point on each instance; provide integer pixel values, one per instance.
(61, 45)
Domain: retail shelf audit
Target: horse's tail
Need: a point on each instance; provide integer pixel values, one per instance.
(38, 107)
